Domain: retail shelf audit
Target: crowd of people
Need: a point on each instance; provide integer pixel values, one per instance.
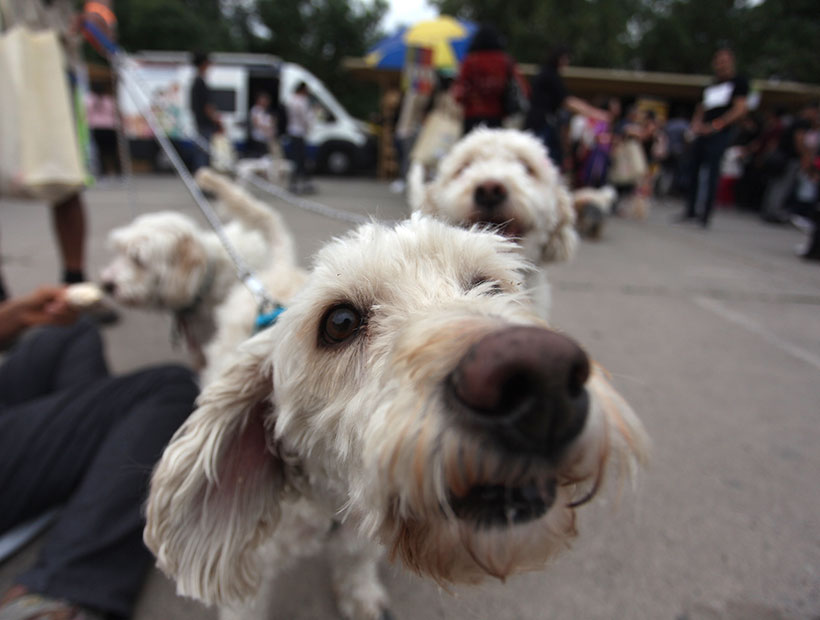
(761, 160)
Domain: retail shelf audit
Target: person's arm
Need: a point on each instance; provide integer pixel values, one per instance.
(579, 106)
(738, 109)
(45, 306)
(213, 114)
(697, 125)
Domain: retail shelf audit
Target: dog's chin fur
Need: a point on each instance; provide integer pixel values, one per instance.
(361, 430)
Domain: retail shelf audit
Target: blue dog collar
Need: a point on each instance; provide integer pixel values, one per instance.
(266, 319)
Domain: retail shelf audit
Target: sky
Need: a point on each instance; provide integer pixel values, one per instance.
(407, 12)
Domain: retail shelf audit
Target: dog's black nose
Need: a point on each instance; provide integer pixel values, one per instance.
(525, 387)
(109, 287)
(490, 194)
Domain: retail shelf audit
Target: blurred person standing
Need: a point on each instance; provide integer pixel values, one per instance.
(263, 126)
(722, 105)
(481, 85)
(300, 122)
(206, 114)
(68, 215)
(549, 98)
(101, 114)
(793, 159)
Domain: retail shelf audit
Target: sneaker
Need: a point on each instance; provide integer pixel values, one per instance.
(19, 603)
(802, 224)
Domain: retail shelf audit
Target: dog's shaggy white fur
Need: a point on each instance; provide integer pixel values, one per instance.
(592, 206)
(376, 410)
(504, 178)
(165, 261)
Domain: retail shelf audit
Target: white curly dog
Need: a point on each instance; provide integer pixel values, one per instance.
(503, 178)
(165, 261)
(408, 400)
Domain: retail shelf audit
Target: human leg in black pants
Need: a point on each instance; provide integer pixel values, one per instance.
(706, 151)
(92, 448)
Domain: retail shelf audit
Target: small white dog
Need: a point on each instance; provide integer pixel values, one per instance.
(408, 397)
(165, 261)
(504, 178)
(274, 169)
(592, 206)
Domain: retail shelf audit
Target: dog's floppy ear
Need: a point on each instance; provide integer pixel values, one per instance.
(215, 493)
(563, 240)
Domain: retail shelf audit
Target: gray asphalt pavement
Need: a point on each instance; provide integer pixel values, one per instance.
(713, 336)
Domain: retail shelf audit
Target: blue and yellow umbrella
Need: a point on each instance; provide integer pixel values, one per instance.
(447, 37)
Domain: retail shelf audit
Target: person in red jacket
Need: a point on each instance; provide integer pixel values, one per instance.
(482, 79)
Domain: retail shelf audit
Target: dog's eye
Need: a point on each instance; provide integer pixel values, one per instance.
(490, 287)
(339, 324)
(530, 169)
(137, 260)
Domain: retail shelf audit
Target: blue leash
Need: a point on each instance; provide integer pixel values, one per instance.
(267, 319)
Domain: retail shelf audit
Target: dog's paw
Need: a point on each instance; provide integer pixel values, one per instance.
(363, 601)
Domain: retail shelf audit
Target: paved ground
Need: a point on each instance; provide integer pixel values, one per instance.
(712, 335)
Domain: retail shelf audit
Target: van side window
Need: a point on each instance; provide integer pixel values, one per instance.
(224, 99)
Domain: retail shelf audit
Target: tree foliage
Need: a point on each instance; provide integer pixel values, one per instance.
(773, 38)
(593, 29)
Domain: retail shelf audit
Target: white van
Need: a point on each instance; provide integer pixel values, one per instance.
(338, 143)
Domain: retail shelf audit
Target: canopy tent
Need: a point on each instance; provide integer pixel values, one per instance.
(447, 37)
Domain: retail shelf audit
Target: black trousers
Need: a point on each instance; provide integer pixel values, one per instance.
(72, 435)
(707, 151)
(299, 157)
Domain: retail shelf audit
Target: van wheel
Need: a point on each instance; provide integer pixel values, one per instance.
(337, 158)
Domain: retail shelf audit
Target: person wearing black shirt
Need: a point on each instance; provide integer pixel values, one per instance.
(793, 155)
(206, 115)
(723, 104)
(549, 96)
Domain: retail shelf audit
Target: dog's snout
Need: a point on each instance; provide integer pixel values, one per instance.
(525, 386)
(490, 194)
(109, 286)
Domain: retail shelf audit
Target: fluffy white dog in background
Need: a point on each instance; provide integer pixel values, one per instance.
(503, 178)
(593, 205)
(165, 261)
(408, 399)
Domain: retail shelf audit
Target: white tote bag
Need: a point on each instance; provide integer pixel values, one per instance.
(39, 153)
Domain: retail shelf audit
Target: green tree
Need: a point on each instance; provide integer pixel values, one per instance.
(594, 30)
(174, 25)
(318, 34)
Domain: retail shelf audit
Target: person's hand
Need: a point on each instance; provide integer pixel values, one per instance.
(46, 306)
(700, 129)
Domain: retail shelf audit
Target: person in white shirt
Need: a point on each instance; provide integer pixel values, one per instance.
(263, 128)
(300, 122)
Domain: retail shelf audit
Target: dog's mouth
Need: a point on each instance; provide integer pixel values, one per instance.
(509, 227)
(498, 505)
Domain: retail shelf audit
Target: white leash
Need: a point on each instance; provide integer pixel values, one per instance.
(124, 67)
(306, 205)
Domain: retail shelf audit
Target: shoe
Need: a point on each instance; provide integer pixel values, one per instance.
(397, 186)
(803, 224)
(19, 603)
(683, 219)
